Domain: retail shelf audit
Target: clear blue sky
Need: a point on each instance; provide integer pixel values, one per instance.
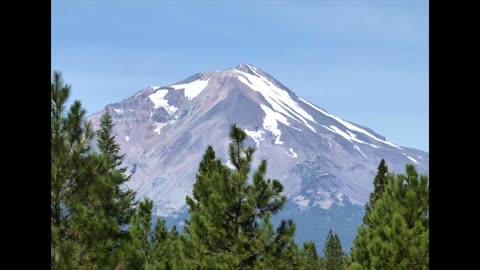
(365, 61)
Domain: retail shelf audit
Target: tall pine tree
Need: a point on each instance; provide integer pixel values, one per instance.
(309, 257)
(379, 183)
(149, 249)
(397, 235)
(88, 206)
(142, 246)
(120, 202)
(71, 171)
(333, 256)
(106, 140)
(229, 226)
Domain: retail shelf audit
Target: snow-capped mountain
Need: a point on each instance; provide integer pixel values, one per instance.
(325, 163)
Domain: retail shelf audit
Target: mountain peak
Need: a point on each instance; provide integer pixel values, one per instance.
(243, 66)
(248, 68)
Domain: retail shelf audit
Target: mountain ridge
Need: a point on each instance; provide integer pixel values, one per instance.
(323, 161)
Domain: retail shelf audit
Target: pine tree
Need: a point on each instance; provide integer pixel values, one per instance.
(379, 183)
(332, 253)
(229, 224)
(280, 252)
(309, 256)
(173, 257)
(141, 236)
(70, 170)
(88, 207)
(106, 140)
(120, 201)
(149, 249)
(397, 235)
(103, 207)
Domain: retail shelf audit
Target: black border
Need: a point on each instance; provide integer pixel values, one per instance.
(26, 47)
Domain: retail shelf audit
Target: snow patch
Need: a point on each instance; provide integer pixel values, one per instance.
(118, 111)
(293, 153)
(339, 197)
(324, 204)
(301, 201)
(159, 127)
(158, 100)
(270, 122)
(340, 132)
(279, 99)
(349, 125)
(412, 159)
(193, 89)
(358, 149)
(353, 135)
(127, 138)
(348, 135)
(257, 136)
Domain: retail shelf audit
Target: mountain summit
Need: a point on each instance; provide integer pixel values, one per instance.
(324, 162)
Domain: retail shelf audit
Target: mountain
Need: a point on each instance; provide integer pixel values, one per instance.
(325, 163)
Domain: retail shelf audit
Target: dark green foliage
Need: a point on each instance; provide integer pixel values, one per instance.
(106, 140)
(333, 256)
(116, 202)
(229, 224)
(309, 256)
(379, 183)
(397, 235)
(88, 207)
(281, 252)
(71, 171)
(151, 248)
(141, 236)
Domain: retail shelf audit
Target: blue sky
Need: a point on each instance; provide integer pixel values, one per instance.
(365, 61)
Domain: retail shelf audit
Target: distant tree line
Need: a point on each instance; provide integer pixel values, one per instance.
(97, 224)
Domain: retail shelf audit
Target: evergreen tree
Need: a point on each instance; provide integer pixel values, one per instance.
(379, 183)
(281, 252)
(70, 170)
(173, 258)
(229, 226)
(397, 235)
(309, 256)
(149, 249)
(106, 140)
(88, 207)
(102, 207)
(120, 201)
(332, 253)
(141, 235)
